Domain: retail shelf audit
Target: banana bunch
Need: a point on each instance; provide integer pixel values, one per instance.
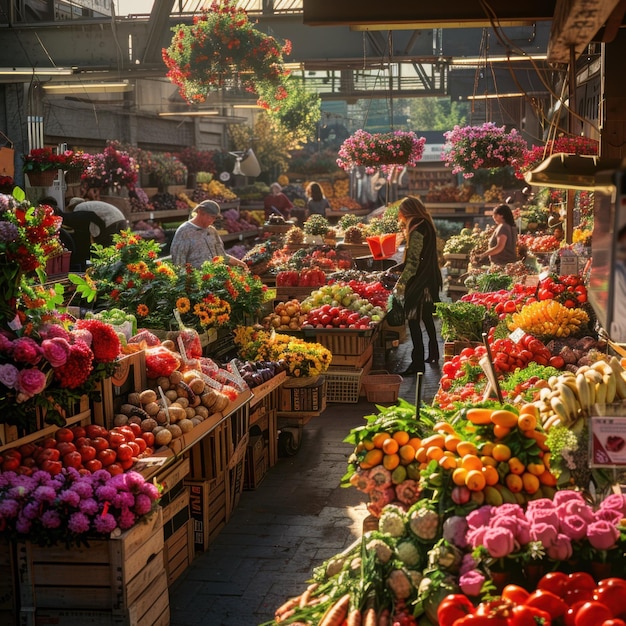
(216, 189)
(548, 317)
(570, 396)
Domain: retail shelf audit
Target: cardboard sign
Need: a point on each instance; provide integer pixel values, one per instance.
(607, 441)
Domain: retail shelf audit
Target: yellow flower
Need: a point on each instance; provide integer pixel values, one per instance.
(183, 305)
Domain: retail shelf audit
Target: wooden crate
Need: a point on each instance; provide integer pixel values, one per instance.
(356, 361)
(208, 458)
(266, 422)
(344, 341)
(8, 610)
(257, 461)
(178, 547)
(111, 581)
(129, 375)
(309, 397)
(236, 474)
(172, 476)
(208, 506)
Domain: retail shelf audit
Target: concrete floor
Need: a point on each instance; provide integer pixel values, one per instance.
(297, 518)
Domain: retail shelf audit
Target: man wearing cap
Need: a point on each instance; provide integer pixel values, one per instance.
(197, 240)
(111, 217)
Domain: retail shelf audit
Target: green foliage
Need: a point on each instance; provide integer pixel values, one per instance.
(437, 113)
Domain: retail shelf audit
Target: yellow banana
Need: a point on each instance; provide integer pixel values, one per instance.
(600, 366)
(551, 422)
(570, 401)
(620, 383)
(552, 381)
(594, 376)
(559, 408)
(592, 392)
(609, 381)
(601, 390)
(582, 369)
(544, 394)
(570, 381)
(583, 392)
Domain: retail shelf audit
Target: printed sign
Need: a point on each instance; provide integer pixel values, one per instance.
(607, 441)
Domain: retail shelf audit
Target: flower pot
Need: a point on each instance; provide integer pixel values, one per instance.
(72, 177)
(42, 179)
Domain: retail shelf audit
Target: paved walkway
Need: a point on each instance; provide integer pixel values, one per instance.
(297, 518)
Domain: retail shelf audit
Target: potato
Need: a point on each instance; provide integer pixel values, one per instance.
(196, 420)
(185, 425)
(163, 382)
(133, 398)
(208, 399)
(175, 430)
(120, 420)
(163, 437)
(152, 408)
(148, 425)
(134, 419)
(176, 413)
(202, 411)
(196, 385)
(175, 377)
(189, 375)
(171, 395)
(161, 417)
(182, 401)
(221, 402)
(147, 396)
(190, 412)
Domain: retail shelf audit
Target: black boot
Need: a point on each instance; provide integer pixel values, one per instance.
(413, 369)
(433, 352)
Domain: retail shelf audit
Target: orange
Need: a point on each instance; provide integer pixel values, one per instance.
(536, 468)
(416, 442)
(516, 466)
(529, 409)
(368, 444)
(491, 475)
(501, 452)
(451, 442)
(420, 455)
(458, 476)
(402, 437)
(540, 438)
(434, 452)
(390, 446)
(475, 480)
(514, 483)
(546, 459)
(407, 454)
(487, 448)
(447, 462)
(500, 432)
(379, 438)
(372, 458)
(548, 479)
(466, 447)
(471, 462)
(359, 447)
(391, 461)
(531, 483)
(526, 421)
(489, 460)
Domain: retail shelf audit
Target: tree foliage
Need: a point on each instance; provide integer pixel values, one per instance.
(437, 113)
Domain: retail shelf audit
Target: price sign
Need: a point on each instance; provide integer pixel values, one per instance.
(569, 265)
(607, 441)
(517, 335)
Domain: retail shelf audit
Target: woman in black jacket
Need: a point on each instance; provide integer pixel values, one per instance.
(420, 281)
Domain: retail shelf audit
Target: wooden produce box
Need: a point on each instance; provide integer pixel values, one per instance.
(208, 506)
(356, 361)
(264, 391)
(178, 550)
(236, 474)
(310, 398)
(257, 462)
(112, 581)
(208, 458)
(129, 375)
(8, 610)
(265, 421)
(340, 341)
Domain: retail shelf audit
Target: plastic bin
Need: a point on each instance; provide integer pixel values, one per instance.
(344, 385)
(382, 387)
(382, 246)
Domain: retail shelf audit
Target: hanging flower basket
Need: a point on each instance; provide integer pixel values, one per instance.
(472, 148)
(223, 49)
(380, 150)
(42, 179)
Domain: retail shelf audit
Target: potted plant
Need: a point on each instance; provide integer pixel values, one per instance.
(42, 164)
(111, 169)
(380, 150)
(223, 49)
(488, 146)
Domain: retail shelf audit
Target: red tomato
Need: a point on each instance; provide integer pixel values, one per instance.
(136, 428)
(124, 452)
(452, 608)
(554, 582)
(141, 444)
(613, 596)
(148, 437)
(527, 616)
(87, 453)
(126, 464)
(509, 307)
(64, 434)
(94, 465)
(49, 454)
(10, 463)
(614, 622)
(128, 432)
(49, 442)
(116, 439)
(81, 441)
(99, 443)
(515, 593)
(134, 447)
(114, 469)
(548, 602)
(577, 595)
(94, 430)
(52, 467)
(570, 615)
(65, 447)
(73, 459)
(592, 613)
(106, 457)
(27, 449)
(580, 580)
(78, 431)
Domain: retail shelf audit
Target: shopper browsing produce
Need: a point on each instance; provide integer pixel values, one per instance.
(420, 281)
(317, 202)
(197, 240)
(277, 203)
(503, 242)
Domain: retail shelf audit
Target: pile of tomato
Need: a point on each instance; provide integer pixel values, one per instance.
(569, 290)
(313, 277)
(87, 449)
(503, 302)
(566, 599)
(509, 355)
(374, 292)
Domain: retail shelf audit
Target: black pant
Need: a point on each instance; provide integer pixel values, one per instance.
(425, 314)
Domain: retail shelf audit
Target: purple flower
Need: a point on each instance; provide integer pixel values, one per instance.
(31, 510)
(540, 503)
(9, 375)
(150, 490)
(26, 350)
(471, 582)
(126, 519)
(561, 549)
(544, 533)
(105, 524)
(616, 502)
(9, 508)
(499, 542)
(6, 345)
(467, 563)
(143, 504)
(44, 493)
(78, 523)
(106, 492)
(479, 517)
(574, 526)
(56, 351)
(31, 382)
(69, 497)
(602, 535)
(519, 528)
(83, 488)
(54, 330)
(88, 506)
(51, 519)
(123, 499)
(133, 480)
(23, 525)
